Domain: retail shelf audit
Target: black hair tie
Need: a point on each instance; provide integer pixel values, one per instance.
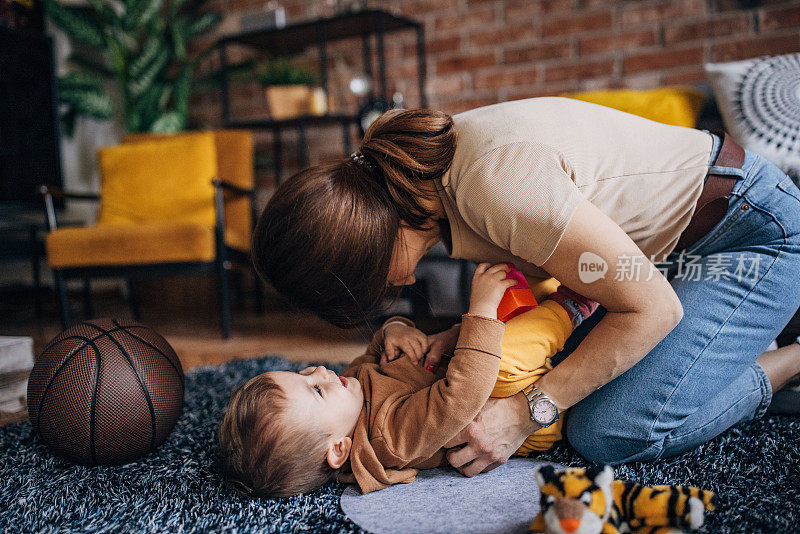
(365, 163)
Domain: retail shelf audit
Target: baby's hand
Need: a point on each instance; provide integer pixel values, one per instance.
(488, 286)
(401, 339)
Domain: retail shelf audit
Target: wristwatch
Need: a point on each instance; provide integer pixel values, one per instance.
(543, 410)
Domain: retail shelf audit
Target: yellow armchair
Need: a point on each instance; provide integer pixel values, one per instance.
(168, 204)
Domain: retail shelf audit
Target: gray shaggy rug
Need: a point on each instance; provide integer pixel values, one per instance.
(753, 468)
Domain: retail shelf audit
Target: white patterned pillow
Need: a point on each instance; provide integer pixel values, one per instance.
(759, 100)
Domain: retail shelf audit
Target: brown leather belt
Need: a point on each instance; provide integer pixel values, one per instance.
(712, 205)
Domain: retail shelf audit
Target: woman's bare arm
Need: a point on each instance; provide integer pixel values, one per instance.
(641, 312)
(642, 306)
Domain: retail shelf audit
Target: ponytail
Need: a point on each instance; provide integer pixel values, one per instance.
(409, 147)
(325, 238)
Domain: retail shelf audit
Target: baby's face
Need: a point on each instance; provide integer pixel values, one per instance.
(319, 396)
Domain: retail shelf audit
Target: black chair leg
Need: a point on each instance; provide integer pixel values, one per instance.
(223, 268)
(63, 298)
(237, 280)
(133, 300)
(37, 273)
(88, 309)
(258, 292)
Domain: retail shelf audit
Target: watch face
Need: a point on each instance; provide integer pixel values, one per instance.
(544, 412)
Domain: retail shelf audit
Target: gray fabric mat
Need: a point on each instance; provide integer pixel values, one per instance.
(441, 500)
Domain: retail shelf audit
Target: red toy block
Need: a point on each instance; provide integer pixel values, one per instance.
(517, 299)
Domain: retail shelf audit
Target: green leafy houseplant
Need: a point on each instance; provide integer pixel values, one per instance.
(142, 46)
(281, 72)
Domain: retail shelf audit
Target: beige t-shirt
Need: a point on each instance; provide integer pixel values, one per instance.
(521, 168)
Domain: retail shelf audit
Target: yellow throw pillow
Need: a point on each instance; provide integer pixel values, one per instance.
(679, 106)
(159, 180)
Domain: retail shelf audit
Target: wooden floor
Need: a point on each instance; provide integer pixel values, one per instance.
(184, 311)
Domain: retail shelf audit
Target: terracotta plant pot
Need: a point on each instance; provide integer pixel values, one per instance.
(287, 101)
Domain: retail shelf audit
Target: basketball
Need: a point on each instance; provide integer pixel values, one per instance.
(105, 392)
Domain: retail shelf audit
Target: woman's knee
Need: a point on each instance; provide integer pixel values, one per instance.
(604, 438)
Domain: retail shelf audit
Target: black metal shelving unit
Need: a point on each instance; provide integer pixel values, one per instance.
(295, 38)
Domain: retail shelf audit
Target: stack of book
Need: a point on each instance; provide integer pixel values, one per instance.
(16, 362)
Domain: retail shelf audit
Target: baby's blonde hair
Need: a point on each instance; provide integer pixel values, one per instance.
(263, 453)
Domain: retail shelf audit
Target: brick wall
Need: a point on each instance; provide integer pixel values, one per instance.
(482, 52)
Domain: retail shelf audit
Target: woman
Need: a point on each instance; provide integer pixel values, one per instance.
(603, 202)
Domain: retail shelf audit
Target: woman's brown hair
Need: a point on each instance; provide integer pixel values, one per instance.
(326, 236)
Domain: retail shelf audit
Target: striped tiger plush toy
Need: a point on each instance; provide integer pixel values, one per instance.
(581, 501)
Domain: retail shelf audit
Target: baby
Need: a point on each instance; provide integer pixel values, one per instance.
(286, 433)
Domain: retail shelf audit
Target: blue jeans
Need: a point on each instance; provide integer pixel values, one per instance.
(702, 378)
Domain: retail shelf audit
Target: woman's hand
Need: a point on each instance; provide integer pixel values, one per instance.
(496, 433)
(440, 345)
(399, 339)
(489, 284)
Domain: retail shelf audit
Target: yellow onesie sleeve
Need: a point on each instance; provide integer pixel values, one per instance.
(529, 341)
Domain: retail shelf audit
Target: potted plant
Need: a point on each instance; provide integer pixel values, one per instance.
(287, 87)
